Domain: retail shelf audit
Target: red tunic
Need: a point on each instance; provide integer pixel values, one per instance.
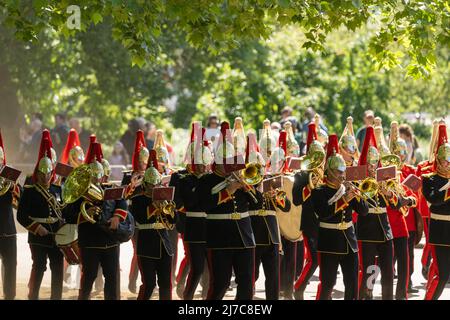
(397, 220)
(424, 167)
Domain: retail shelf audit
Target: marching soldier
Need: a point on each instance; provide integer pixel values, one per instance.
(337, 242)
(72, 155)
(9, 197)
(279, 165)
(153, 247)
(426, 167)
(265, 225)
(40, 213)
(98, 246)
(373, 230)
(139, 162)
(396, 216)
(229, 235)
(436, 190)
(301, 195)
(198, 158)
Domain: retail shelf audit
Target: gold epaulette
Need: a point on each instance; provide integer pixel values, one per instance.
(429, 175)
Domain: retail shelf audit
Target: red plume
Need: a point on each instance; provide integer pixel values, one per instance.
(442, 139)
(369, 140)
(333, 145)
(153, 160)
(1, 145)
(139, 142)
(312, 134)
(72, 141)
(44, 151)
(92, 140)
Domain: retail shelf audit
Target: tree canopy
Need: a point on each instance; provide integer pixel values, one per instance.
(234, 58)
(401, 27)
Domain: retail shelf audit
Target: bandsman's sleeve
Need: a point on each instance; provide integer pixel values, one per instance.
(360, 206)
(432, 194)
(121, 209)
(25, 209)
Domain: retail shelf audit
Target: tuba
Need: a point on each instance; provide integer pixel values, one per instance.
(78, 185)
(312, 162)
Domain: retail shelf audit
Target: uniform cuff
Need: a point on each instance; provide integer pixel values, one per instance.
(33, 227)
(122, 214)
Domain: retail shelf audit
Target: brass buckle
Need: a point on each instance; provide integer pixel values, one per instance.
(235, 216)
(342, 226)
(262, 212)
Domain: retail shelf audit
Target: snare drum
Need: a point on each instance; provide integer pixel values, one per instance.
(67, 240)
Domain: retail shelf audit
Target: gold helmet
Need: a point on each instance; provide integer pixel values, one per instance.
(45, 161)
(152, 175)
(397, 146)
(381, 142)
(239, 140)
(347, 143)
(267, 142)
(72, 154)
(322, 136)
(292, 146)
(224, 149)
(334, 161)
(162, 153)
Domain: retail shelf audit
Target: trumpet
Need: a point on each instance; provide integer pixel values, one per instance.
(251, 175)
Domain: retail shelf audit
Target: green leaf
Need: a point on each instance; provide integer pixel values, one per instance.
(96, 18)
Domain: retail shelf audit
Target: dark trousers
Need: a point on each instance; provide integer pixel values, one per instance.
(300, 258)
(312, 263)
(385, 252)
(173, 237)
(8, 255)
(411, 245)
(442, 256)
(108, 259)
(329, 264)
(402, 257)
(151, 268)
(39, 254)
(288, 261)
(270, 258)
(197, 255)
(221, 263)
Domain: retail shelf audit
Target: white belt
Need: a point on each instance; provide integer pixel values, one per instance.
(262, 213)
(49, 220)
(147, 226)
(336, 226)
(228, 216)
(441, 217)
(377, 210)
(196, 214)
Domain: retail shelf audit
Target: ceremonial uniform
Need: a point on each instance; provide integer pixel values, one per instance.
(153, 249)
(229, 238)
(439, 231)
(337, 242)
(375, 235)
(34, 210)
(8, 239)
(194, 231)
(38, 209)
(267, 237)
(301, 195)
(98, 244)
